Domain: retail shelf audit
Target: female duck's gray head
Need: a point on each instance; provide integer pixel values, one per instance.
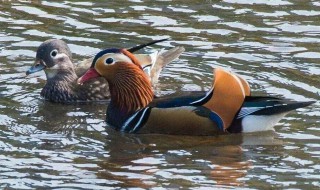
(52, 54)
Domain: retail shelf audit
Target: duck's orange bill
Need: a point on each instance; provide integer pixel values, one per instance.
(90, 74)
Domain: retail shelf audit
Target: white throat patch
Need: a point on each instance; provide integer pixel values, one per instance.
(51, 73)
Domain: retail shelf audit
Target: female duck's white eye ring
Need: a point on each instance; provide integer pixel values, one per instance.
(109, 61)
(53, 53)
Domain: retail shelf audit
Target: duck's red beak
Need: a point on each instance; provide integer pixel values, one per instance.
(90, 74)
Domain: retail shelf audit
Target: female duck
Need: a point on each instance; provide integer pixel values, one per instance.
(227, 107)
(55, 58)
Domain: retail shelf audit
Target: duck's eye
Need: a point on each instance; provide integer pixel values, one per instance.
(109, 60)
(54, 53)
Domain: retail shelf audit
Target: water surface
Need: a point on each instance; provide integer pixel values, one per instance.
(272, 44)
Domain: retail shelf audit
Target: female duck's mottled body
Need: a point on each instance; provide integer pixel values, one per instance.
(60, 88)
(227, 107)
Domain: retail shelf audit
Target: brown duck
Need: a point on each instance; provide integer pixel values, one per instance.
(55, 58)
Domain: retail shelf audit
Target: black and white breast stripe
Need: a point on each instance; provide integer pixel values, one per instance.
(136, 120)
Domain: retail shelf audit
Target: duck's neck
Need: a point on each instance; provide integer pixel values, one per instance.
(60, 86)
(130, 91)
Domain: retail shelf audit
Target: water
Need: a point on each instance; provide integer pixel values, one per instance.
(272, 44)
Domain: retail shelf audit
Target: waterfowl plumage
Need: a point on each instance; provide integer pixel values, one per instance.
(227, 107)
(55, 58)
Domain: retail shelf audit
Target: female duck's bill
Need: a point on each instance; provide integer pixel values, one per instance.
(39, 65)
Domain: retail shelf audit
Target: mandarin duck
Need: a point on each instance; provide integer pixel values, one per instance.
(227, 108)
(55, 58)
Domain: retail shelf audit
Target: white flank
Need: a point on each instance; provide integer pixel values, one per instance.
(254, 123)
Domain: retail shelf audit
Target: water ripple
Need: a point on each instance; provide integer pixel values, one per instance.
(272, 44)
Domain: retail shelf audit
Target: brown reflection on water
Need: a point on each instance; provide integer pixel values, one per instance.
(56, 117)
(147, 161)
(230, 167)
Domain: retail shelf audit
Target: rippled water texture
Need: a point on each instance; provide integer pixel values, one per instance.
(273, 44)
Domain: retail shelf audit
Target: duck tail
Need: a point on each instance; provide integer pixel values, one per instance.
(296, 105)
(272, 105)
(262, 113)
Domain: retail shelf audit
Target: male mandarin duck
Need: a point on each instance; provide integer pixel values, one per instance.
(227, 108)
(55, 58)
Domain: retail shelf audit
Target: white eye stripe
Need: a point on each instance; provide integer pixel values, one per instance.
(54, 54)
(60, 55)
(118, 57)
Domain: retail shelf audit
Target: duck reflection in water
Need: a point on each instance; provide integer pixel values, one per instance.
(156, 160)
(68, 118)
(168, 161)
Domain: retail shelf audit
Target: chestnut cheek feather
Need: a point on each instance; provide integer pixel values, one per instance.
(90, 74)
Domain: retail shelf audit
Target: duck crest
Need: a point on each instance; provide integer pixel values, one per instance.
(130, 89)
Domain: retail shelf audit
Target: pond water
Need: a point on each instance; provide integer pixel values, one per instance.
(273, 44)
